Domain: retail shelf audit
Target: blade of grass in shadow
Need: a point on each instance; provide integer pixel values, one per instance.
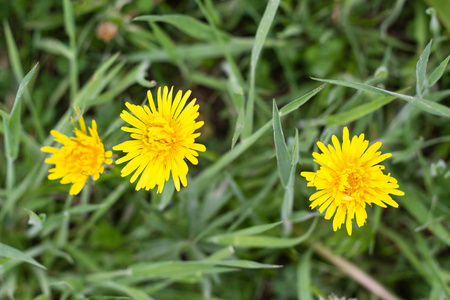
(260, 37)
(432, 264)
(304, 277)
(407, 251)
(107, 203)
(186, 24)
(356, 273)
(423, 104)
(202, 181)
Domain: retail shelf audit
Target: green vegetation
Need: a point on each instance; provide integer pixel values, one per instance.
(272, 78)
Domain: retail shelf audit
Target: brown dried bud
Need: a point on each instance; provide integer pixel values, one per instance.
(106, 31)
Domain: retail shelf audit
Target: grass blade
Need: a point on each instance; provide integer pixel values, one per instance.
(262, 241)
(10, 252)
(245, 232)
(438, 72)
(421, 69)
(12, 126)
(282, 153)
(423, 104)
(188, 25)
(304, 278)
(260, 38)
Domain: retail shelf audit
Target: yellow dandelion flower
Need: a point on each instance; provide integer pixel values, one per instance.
(349, 178)
(161, 140)
(79, 157)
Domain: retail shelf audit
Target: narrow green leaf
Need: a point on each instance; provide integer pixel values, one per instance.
(288, 202)
(13, 52)
(165, 42)
(304, 277)
(69, 22)
(186, 24)
(245, 232)
(282, 153)
(432, 264)
(260, 38)
(240, 122)
(295, 151)
(261, 241)
(295, 104)
(421, 69)
(56, 47)
(358, 112)
(10, 252)
(221, 254)
(423, 104)
(438, 72)
(124, 289)
(12, 129)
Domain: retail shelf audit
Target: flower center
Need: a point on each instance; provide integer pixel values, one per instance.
(351, 181)
(160, 135)
(82, 159)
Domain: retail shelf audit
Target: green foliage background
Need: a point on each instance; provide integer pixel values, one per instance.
(242, 229)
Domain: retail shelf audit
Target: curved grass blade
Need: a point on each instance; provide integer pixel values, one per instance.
(10, 252)
(421, 103)
(303, 277)
(188, 25)
(261, 241)
(438, 72)
(261, 34)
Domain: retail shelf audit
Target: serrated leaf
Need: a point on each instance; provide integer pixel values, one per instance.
(10, 252)
(421, 69)
(282, 153)
(421, 103)
(438, 72)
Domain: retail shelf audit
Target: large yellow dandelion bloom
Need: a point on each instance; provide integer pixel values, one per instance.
(161, 140)
(79, 157)
(349, 178)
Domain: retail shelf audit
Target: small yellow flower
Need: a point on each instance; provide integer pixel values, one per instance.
(80, 157)
(161, 139)
(349, 178)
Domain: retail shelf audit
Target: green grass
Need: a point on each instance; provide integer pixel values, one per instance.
(242, 228)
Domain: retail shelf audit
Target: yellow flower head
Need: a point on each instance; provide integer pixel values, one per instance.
(80, 157)
(161, 139)
(349, 178)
